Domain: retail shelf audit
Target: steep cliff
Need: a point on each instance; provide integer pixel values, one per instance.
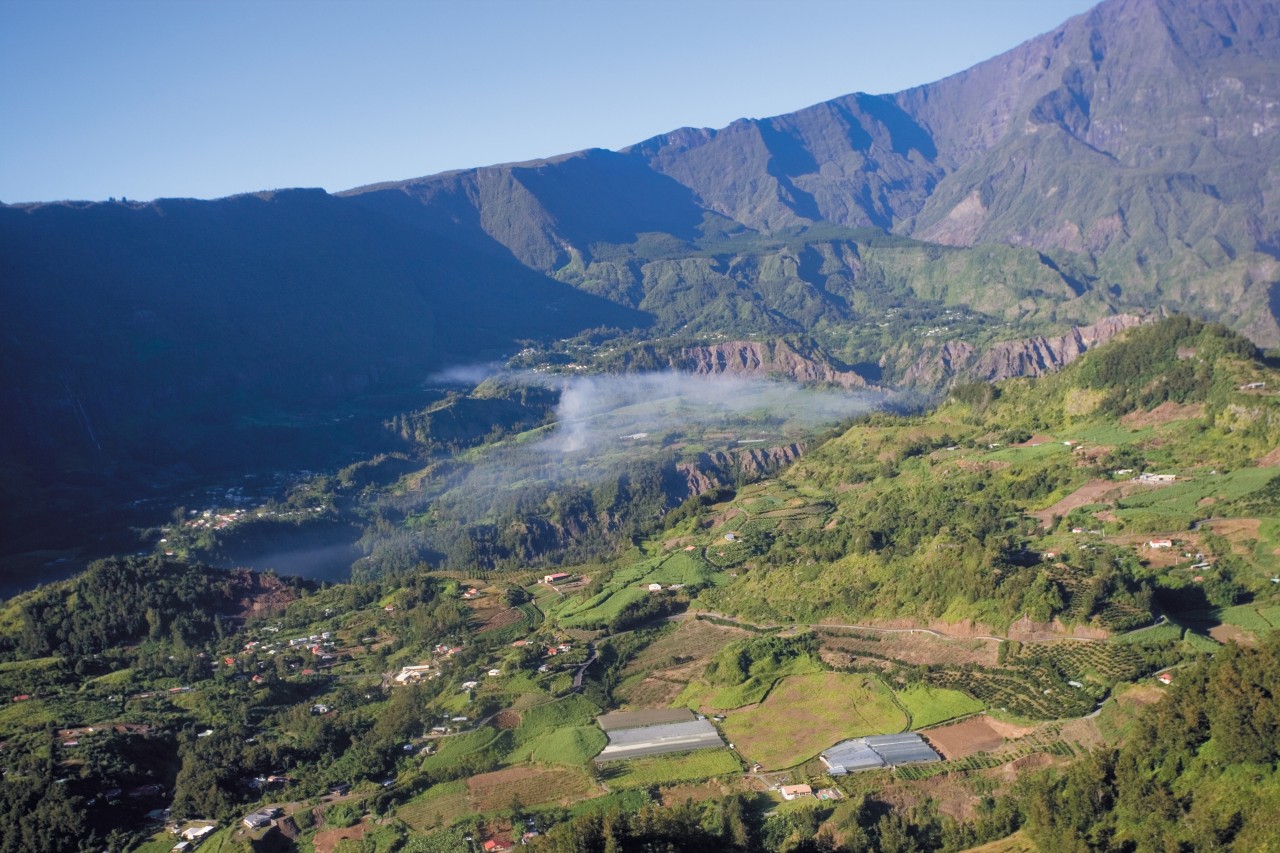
(1035, 356)
(757, 359)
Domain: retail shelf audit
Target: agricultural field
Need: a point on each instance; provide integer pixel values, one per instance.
(928, 706)
(530, 786)
(1078, 661)
(670, 769)
(440, 805)
(657, 674)
(805, 714)
(1030, 693)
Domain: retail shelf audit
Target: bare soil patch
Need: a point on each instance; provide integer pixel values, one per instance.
(696, 793)
(507, 719)
(976, 734)
(1271, 460)
(1092, 492)
(1232, 634)
(1166, 412)
(502, 619)
(913, 649)
(1236, 531)
(326, 840)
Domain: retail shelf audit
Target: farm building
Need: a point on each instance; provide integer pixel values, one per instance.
(558, 577)
(648, 717)
(790, 792)
(851, 756)
(659, 739)
(868, 753)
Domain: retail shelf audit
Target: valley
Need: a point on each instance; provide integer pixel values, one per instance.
(896, 474)
(1033, 630)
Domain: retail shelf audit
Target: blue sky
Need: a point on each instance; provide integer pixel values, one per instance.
(152, 98)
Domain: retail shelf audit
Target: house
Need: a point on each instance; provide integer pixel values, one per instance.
(558, 577)
(731, 537)
(196, 833)
(790, 792)
(655, 587)
(1157, 544)
(1165, 678)
(494, 844)
(257, 820)
(1156, 478)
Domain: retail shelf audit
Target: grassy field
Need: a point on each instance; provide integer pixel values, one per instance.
(668, 769)
(439, 805)
(750, 692)
(929, 706)
(573, 746)
(803, 715)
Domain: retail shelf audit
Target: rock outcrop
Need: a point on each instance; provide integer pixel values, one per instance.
(760, 359)
(1036, 356)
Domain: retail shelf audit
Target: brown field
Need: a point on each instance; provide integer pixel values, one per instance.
(1166, 412)
(1270, 460)
(532, 786)
(326, 840)
(913, 648)
(977, 734)
(1237, 531)
(507, 719)
(697, 792)
(501, 619)
(1092, 492)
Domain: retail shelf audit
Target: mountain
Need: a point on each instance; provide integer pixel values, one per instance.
(1124, 163)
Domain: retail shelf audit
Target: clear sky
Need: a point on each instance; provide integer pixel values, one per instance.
(153, 98)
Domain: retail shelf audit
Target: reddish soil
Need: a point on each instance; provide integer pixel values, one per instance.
(913, 648)
(1164, 413)
(977, 734)
(1232, 634)
(1092, 492)
(259, 594)
(326, 840)
(1271, 460)
(502, 619)
(507, 719)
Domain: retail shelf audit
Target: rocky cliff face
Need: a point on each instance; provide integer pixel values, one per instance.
(721, 468)
(956, 360)
(760, 359)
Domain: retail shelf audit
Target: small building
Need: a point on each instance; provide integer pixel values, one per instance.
(197, 833)
(1159, 544)
(791, 792)
(553, 579)
(257, 820)
(1165, 678)
(655, 587)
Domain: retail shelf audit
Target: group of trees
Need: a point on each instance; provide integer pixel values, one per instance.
(1196, 772)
